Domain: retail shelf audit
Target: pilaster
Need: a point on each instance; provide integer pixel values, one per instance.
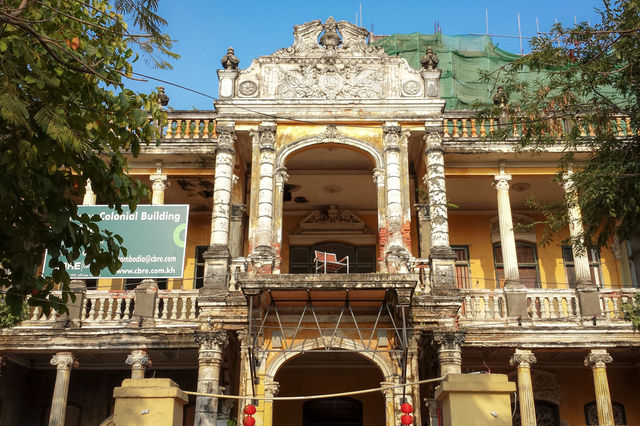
(523, 359)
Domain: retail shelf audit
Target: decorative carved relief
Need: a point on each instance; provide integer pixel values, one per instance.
(330, 81)
(248, 88)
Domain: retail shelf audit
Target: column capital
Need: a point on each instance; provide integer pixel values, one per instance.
(433, 140)
(392, 134)
(226, 137)
(138, 359)
(448, 340)
(598, 358)
(522, 358)
(501, 181)
(159, 181)
(271, 389)
(378, 177)
(64, 361)
(215, 340)
(282, 176)
(266, 136)
(243, 337)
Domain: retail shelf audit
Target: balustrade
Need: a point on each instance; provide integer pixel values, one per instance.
(464, 125)
(611, 302)
(483, 304)
(187, 127)
(115, 308)
(557, 304)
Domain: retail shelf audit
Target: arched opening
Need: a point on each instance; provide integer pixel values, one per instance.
(322, 372)
(329, 198)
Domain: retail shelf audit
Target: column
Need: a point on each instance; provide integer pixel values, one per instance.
(223, 182)
(378, 179)
(514, 292)
(235, 230)
(507, 236)
(598, 360)
(159, 182)
(245, 387)
(271, 389)
(441, 256)
(389, 403)
(212, 344)
(64, 362)
(396, 253)
(90, 197)
(138, 360)
(281, 178)
(449, 346)
(263, 254)
(588, 296)
(523, 360)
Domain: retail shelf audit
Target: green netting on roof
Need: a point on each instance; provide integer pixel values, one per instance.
(461, 58)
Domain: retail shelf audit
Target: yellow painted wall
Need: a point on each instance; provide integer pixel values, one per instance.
(578, 390)
(475, 231)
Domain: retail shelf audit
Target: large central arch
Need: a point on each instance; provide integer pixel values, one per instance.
(311, 372)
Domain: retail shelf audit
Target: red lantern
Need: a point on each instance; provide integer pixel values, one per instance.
(249, 421)
(406, 419)
(406, 408)
(249, 410)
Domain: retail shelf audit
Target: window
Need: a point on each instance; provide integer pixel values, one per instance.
(361, 259)
(132, 283)
(594, 266)
(591, 414)
(463, 271)
(547, 413)
(527, 264)
(198, 273)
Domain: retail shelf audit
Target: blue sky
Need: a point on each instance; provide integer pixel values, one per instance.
(204, 29)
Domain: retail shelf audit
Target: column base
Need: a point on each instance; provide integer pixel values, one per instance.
(216, 277)
(443, 268)
(262, 260)
(146, 294)
(516, 300)
(396, 259)
(589, 300)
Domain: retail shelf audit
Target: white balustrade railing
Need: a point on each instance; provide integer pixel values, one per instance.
(611, 301)
(558, 304)
(483, 304)
(108, 305)
(115, 308)
(176, 305)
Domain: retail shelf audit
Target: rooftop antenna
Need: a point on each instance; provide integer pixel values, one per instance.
(537, 26)
(360, 13)
(356, 18)
(486, 18)
(520, 33)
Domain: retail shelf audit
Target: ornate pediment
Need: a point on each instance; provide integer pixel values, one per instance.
(332, 224)
(329, 61)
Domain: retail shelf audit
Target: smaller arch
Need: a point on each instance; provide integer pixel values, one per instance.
(333, 137)
(385, 366)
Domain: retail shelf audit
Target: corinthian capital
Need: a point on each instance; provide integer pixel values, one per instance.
(226, 137)
(501, 181)
(392, 135)
(64, 361)
(271, 389)
(448, 340)
(212, 340)
(267, 136)
(598, 358)
(522, 358)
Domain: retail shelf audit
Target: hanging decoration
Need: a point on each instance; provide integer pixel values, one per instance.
(249, 410)
(406, 418)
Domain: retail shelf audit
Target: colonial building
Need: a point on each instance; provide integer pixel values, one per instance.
(346, 231)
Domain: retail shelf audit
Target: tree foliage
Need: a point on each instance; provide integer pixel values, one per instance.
(587, 76)
(586, 85)
(66, 117)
